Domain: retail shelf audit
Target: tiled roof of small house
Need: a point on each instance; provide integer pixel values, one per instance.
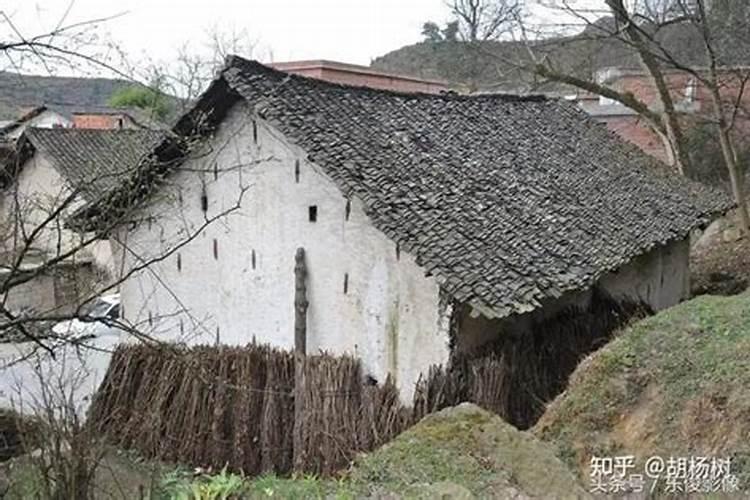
(94, 160)
(506, 200)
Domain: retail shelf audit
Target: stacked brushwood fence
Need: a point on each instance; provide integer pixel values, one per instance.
(516, 376)
(235, 406)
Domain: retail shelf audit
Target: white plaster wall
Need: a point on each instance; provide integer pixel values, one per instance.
(38, 192)
(660, 278)
(45, 119)
(29, 374)
(389, 316)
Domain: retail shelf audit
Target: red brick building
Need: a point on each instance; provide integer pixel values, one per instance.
(690, 98)
(100, 120)
(362, 76)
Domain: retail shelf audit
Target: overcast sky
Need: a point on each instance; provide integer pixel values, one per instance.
(347, 30)
(354, 31)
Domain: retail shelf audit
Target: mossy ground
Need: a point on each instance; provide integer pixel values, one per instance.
(468, 447)
(676, 384)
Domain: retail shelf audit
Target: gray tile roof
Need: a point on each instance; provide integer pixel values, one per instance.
(93, 161)
(508, 201)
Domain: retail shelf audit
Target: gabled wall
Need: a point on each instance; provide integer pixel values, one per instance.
(234, 281)
(29, 203)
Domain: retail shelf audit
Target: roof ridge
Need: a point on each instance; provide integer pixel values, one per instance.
(252, 65)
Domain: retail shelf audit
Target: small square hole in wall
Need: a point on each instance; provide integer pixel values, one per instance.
(312, 213)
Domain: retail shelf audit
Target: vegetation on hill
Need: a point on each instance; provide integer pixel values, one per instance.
(147, 99)
(675, 384)
(504, 64)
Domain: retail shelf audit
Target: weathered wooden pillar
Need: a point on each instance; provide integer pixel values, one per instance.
(300, 302)
(300, 349)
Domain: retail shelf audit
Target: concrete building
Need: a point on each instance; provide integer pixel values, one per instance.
(431, 224)
(361, 76)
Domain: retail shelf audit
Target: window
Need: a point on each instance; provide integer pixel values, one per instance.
(691, 90)
(312, 213)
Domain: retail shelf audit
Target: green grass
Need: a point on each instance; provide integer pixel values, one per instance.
(677, 383)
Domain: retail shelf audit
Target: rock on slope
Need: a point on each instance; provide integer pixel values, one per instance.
(676, 384)
(461, 452)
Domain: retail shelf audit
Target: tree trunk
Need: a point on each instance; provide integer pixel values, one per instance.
(735, 178)
(728, 151)
(670, 118)
(676, 142)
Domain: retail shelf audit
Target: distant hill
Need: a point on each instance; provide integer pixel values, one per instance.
(18, 92)
(65, 95)
(494, 65)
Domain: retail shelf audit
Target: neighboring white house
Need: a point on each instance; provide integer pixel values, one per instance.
(39, 117)
(56, 170)
(430, 223)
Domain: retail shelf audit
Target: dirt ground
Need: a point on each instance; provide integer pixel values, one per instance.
(720, 262)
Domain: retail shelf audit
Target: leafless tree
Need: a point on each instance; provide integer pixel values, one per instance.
(638, 27)
(196, 64)
(77, 46)
(480, 20)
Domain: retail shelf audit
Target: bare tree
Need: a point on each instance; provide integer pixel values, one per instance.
(76, 45)
(638, 27)
(480, 20)
(195, 65)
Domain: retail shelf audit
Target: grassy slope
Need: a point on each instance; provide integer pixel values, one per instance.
(677, 383)
(460, 452)
(471, 448)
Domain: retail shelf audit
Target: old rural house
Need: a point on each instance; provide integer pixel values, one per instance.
(431, 224)
(56, 170)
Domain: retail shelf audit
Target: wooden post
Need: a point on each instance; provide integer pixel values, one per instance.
(300, 349)
(300, 302)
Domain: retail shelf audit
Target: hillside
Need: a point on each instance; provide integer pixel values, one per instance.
(675, 384)
(65, 95)
(496, 65)
(19, 91)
